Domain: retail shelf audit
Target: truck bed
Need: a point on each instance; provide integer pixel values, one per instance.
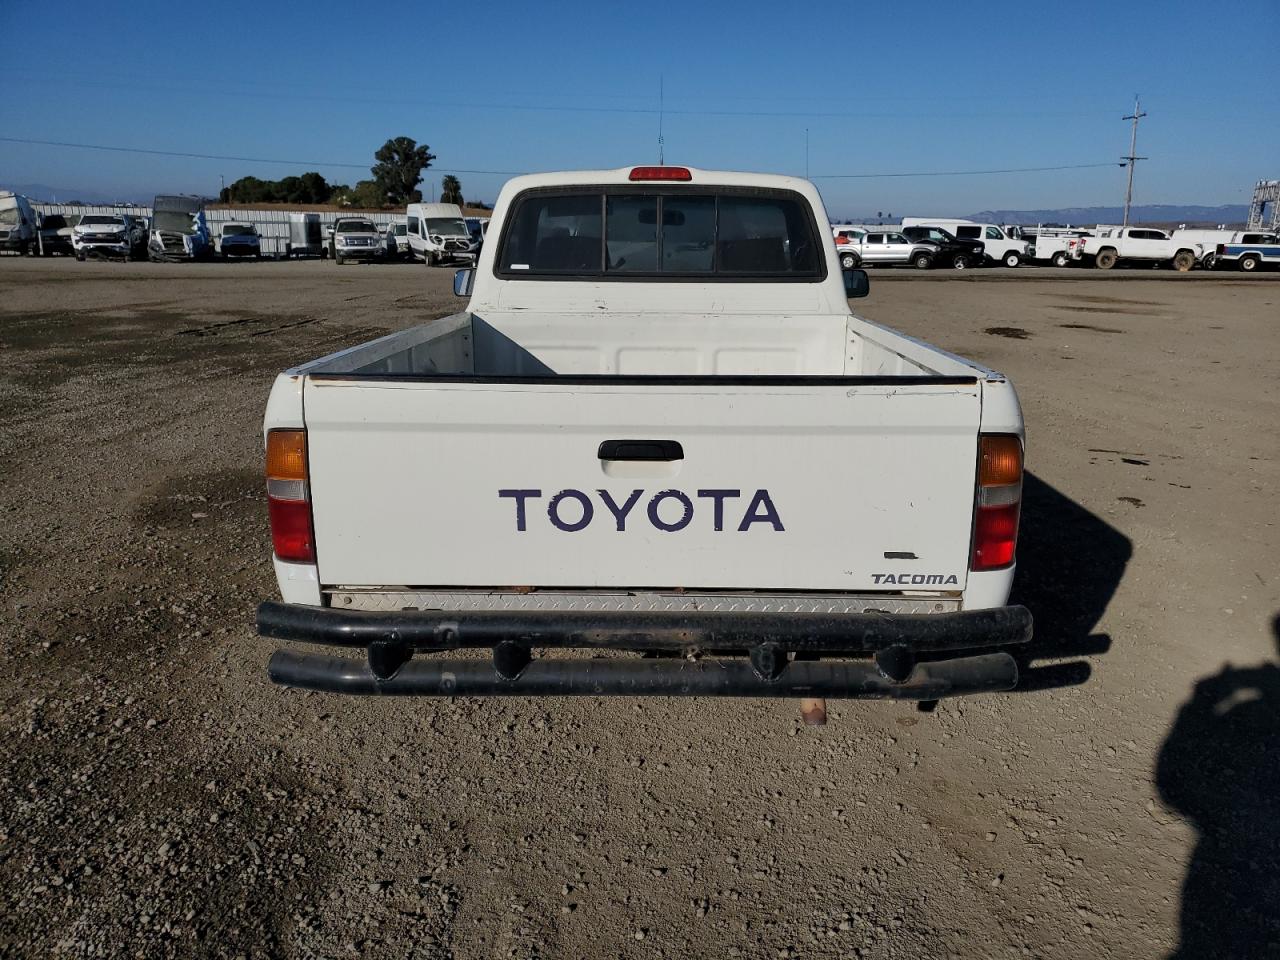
(518, 345)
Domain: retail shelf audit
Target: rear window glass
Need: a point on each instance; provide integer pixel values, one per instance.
(556, 235)
(633, 233)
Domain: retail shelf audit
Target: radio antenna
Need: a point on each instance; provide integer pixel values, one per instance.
(660, 110)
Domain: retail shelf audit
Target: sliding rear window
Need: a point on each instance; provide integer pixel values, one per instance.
(628, 233)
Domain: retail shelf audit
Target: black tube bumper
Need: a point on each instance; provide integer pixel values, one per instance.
(905, 651)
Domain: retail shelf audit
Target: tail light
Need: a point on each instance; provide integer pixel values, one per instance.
(660, 173)
(998, 501)
(288, 496)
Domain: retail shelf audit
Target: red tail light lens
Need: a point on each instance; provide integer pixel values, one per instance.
(288, 496)
(660, 173)
(998, 503)
(995, 534)
(291, 536)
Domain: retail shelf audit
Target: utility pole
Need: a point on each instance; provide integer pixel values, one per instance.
(1131, 159)
(806, 153)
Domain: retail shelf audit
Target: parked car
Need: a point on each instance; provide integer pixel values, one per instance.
(952, 251)
(1001, 244)
(1248, 250)
(19, 224)
(179, 230)
(885, 248)
(1112, 245)
(732, 464)
(438, 234)
(356, 238)
(109, 235)
(239, 240)
(397, 240)
(56, 233)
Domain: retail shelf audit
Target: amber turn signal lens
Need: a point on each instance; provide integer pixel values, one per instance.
(1001, 460)
(287, 455)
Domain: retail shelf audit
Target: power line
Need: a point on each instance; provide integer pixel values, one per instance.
(955, 173)
(224, 91)
(214, 156)
(516, 173)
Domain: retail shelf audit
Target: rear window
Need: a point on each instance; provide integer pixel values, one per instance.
(627, 233)
(969, 233)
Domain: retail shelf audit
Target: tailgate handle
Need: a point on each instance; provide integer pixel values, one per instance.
(653, 450)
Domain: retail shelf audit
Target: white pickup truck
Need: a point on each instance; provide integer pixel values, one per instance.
(657, 429)
(1111, 245)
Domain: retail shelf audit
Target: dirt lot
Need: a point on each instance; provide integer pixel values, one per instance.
(158, 797)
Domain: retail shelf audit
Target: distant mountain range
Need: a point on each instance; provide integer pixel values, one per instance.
(1229, 214)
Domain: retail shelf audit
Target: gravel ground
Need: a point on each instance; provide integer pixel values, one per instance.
(158, 797)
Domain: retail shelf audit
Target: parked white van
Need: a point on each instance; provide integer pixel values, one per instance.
(1003, 244)
(437, 233)
(19, 224)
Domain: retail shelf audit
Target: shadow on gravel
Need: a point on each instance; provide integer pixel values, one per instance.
(1218, 769)
(1070, 563)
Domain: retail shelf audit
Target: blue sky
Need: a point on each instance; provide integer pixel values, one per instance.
(881, 88)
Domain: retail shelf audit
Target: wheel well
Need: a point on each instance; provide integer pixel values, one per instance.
(1185, 250)
(1107, 250)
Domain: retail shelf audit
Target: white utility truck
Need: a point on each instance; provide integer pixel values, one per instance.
(1111, 245)
(1204, 240)
(656, 428)
(1053, 245)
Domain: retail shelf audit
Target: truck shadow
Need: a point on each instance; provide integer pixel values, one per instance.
(1070, 563)
(1217, 769)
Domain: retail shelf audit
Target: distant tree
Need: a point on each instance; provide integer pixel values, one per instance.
(399, 168)
(245, 190)
(315, 188)
(309, 188)
(368, 194)
(451, 190)
(339, 193)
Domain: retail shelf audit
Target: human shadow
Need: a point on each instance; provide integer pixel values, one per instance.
(1070, 564)
(1219, 768)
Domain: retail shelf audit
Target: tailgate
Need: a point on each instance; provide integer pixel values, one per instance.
(829, 486)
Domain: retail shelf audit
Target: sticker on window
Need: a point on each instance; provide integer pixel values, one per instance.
(519, 266)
